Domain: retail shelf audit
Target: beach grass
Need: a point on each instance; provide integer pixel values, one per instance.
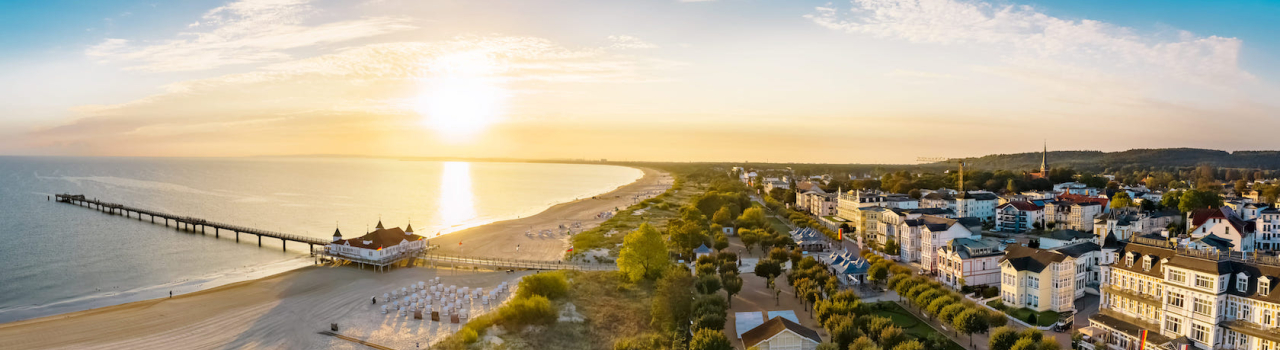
(656, 211)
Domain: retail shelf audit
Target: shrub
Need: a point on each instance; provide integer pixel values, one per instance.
(468, 335)
(525, 311)
(640, 342)
(709, 339)
(551, 285)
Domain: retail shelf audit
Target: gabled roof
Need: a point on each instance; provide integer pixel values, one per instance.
(772, 327)
(409, 228)
(983, 196)
(380, 238)
(337, 233)
(702, 249)
(1031, 259)
(1220, 243)
(1078, 249)
(1068, 235)
(379, 225)
(937, 223)
(1023, 206)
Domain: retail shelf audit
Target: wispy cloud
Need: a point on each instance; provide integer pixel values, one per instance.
(905, 73)
(626, 42)
(242, 32)
(1031, 34)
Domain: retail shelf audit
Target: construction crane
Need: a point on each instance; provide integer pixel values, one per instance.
(959, 161)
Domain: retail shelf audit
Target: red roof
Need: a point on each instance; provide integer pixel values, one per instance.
(1080, 198)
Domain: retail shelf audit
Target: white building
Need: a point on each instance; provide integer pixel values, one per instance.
(975, 262)
(1049, 279)
(1018, 217)
(936, 231)
(382, 247)
(780, 333)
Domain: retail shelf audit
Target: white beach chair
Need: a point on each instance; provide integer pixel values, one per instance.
(384, 309)
(484, 300)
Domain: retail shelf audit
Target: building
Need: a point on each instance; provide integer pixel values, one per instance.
(701, 251)
(1018, 217)
(1066, 237)
(1068, 214)
(977, 204)
(380, 248)
(1125, 223)
(779, 333)
(1049, 279)
(1044, 165)
(935, 231)
(1217, 226)
(1267, 226)
(970, 262)
(1207, 299)
(812, 199)
(850, 204)
(809, 240)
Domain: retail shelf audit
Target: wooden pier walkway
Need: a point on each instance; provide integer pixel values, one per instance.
(189, 223)
(515, 263)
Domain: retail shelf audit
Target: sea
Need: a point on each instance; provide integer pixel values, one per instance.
(57, 258)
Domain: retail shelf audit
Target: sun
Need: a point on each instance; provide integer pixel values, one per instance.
(462, 95)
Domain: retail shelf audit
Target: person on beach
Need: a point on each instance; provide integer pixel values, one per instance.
(170, 294)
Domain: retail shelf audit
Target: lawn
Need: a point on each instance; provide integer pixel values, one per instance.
(912, 325)
(1043, 318)
(778, 225)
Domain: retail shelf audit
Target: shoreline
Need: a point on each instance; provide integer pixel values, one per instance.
(166, 320)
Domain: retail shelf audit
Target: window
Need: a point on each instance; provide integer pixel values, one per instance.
(1172, 325)
(1203, 281)
(1200, 333)
(1202, 307)
(1245, 313)
(1177, 276)
(1242, 284)
(1033, 283)
(1175, 299)
(1264, 286)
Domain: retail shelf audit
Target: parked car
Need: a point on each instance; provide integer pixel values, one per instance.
(1010, 241)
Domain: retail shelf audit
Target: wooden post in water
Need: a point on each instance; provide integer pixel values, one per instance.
(284, 245)
(215, 232)
(259, 240)
(237, 236)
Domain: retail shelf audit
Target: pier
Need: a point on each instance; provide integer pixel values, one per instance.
(188, 223)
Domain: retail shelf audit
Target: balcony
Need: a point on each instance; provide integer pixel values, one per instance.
(1253, 329)
(1139, 322)
(1133, 295)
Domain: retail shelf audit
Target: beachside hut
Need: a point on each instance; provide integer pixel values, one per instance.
(701, 251)
(780, 333)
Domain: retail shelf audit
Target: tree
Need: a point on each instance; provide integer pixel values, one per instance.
(1240, 186)
(1025, 344)
(969, 322)
(1198, 199)
(534, 310)
(707, 284)
(643, 255)
(910, 345)
(890, 337)
(724, 216)
(686, 235)
(1121, 200)
(948, 313)
(753, 218)
(709, 321)
(1011, 187)
(877, 273)
(768, 268)
(779, 254)
(863, 343)
(709, 339)
(749, 238)
(996, 319)
(732, 284)
(721, 240)
(936, 305)
(1003, 338)
(672, 299)
(891, 247)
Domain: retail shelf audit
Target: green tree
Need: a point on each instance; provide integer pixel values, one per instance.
(890, 337)
(724, 216)
(732, 284)
(1198, 199)
(672, 300)
(1011, 187)
(1025, 344)
(891, 247)
(878, 273)
(779, 254)
(936, 305)
(910, 345)
(643, 255)
(969, 322)
(534, 310)
(686, 235)
(753, 218)
(709, 339)
(1121, 200)
(707, 284)
(996, 318)
(749, 238)
(721, 240)
(1003, 338)
(949, 312)
(863, 343)
(768, 268)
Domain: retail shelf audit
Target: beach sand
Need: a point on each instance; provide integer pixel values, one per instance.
(499, 239)
(285, 311)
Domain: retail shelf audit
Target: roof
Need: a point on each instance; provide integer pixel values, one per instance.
(982, 196)
(379, 225)
(937, 223)
(1020, 205)
(1031, 259)
(772, 327)
(337, 233)
(1068, 235)
(380, 238)
(409, 228)
(1220, 243)
(970, 248)
(702, 249)
(1110, 241)
(1078, 249)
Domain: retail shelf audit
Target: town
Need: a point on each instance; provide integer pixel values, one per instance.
(1112, 261)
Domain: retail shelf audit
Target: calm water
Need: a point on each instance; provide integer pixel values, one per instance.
(60, 258)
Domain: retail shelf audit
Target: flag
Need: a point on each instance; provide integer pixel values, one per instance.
(840, 236)
(570, 249)
(1143, 342)
(459, 242)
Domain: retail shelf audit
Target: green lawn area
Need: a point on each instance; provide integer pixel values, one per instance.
(912, 325)
(1043, 318)
(778, 225)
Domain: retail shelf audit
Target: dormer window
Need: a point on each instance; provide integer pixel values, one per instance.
(1128, 259)
(1146, 263)
(1264, 286)
(1242, 282)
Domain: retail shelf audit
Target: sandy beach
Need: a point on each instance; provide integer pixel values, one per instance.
(287, 310)
(500, 239)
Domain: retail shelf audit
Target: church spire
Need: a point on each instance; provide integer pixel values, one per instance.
(1044, 159)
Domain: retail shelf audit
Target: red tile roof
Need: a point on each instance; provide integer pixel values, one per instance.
(1023, 206)
(380, 239)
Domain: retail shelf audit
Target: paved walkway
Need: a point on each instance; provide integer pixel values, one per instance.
(756, 296)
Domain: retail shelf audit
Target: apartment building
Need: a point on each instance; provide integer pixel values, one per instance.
(970, 262)
(1202, 298)
(1049, 279)
(936, 231)
(1018, 217)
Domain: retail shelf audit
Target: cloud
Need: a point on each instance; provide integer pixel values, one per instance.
(904, 73)
(625, 42)
(330, 100)
(1028, 34)
(242, 32)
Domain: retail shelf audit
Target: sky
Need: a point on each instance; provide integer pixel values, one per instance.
(862, 81)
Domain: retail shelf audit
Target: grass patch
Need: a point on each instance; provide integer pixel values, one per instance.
(657, 211)
(1043, 318)
(912, 325)
(778, 225)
